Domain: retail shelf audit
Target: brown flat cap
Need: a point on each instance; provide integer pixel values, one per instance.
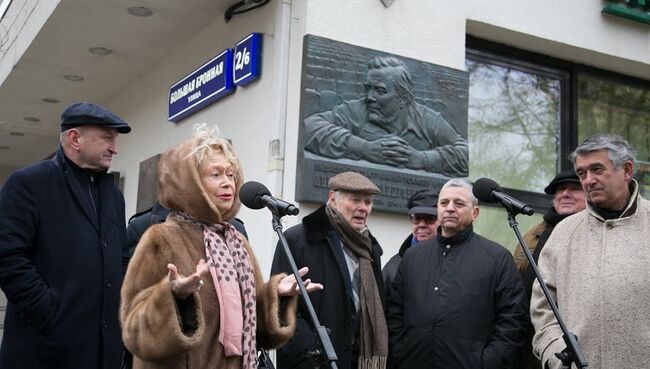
(352, 182)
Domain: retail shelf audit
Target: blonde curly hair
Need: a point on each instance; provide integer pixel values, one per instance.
(206, 141)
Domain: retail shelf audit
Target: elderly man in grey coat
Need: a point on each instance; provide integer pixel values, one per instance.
(596, 265)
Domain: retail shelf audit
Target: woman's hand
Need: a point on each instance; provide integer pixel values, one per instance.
(289, 287)
(181, 286)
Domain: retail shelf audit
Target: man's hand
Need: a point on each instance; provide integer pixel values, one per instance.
(181, 286)
(395, 151)
(385, 150)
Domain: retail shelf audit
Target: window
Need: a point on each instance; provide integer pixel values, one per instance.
(514, 123)
(607, 105)
(527, 112)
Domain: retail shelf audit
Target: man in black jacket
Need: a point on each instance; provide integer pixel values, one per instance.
(140, 222)
(63, 250)
(424, 223)
(568, 199)
(457, 300)
(334, 242)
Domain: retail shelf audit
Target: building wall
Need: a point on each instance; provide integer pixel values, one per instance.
(434, 32)
(244, 117)
(24, 19)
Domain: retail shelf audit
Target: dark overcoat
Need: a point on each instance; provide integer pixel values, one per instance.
(457, 303)
(315, 245)
(61, 269)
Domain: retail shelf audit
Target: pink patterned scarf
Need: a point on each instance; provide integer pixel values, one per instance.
(234, 283)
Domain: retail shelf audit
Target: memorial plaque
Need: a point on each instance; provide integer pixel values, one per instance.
(147, 183)
(399, 121)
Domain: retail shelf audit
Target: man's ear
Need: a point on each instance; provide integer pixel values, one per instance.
(402, 101)
(331, 199)
(475, 212)
(628, 170)
(74, 138)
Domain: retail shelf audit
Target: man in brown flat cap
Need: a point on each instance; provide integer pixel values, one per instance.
(336, 245)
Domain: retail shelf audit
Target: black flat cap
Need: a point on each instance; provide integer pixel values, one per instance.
(86, 114)
(562, 177)
(423, 202)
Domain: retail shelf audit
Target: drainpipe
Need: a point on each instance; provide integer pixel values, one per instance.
(275, 165)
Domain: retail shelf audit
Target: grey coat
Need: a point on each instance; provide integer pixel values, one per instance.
(598, 272)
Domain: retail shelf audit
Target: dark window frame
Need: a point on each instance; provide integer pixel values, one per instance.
(568, 73)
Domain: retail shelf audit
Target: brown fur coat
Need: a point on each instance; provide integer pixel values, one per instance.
(163, 332)
(531, 238)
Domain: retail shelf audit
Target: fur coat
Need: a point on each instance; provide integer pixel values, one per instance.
(163, 332)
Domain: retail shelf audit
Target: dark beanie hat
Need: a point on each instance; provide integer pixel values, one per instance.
(562, 177)
(423, 202)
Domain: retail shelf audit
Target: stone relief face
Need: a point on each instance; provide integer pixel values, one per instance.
(381, 96)
(400, 121)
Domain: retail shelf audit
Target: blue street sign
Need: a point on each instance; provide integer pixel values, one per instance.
(207, 84)
(248, 59)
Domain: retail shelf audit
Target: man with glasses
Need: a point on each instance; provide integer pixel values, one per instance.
(424, 219)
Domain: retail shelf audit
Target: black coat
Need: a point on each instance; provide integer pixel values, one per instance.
(314, 244)
(390, 268)
(140, 222)
(61, 268)
(457, 303)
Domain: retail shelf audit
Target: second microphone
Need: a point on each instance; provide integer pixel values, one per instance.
(255, 195)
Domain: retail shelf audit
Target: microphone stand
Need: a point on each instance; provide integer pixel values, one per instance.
(572, 353)
(321, 331)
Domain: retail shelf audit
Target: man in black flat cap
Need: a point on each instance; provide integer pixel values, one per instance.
(336, 245)
(423, 216)
(568, 199)
(63, 250)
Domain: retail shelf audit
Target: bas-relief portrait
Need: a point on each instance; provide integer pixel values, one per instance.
(399, 121)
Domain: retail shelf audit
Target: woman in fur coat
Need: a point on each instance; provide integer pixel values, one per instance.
(193, 295)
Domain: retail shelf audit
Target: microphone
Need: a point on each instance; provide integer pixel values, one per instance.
(255, 195)
(487, 190)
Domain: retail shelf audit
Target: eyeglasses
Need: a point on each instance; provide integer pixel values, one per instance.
(428, 219)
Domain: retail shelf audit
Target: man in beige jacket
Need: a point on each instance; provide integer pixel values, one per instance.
(596, 265)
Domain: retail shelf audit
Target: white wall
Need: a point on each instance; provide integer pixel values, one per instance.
(570, 30)
(243, 117)
(435, 32)
(431, 31)
(23, 20)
